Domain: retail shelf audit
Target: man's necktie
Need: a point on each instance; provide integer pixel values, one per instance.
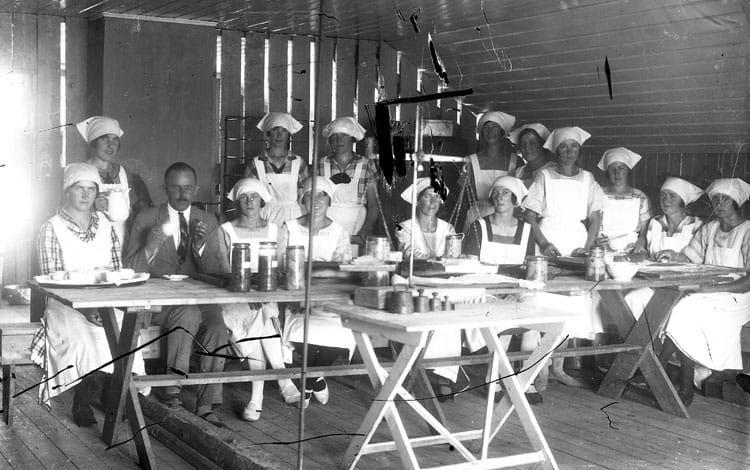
(182, 248)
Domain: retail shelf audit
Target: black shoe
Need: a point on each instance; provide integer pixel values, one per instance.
(686, 396)
(214, 419)
(743, 380)
(84, 416)
(444, 393)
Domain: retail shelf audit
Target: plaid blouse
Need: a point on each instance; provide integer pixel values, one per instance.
(50, 251)
(369, 174)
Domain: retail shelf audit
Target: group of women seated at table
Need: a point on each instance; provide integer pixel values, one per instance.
(546, 204)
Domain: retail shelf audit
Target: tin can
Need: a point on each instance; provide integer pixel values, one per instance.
(240, 279)
(378, 248)
(536, 268)
(295, 267)
(595, 266)
(267, 266)
(454, 245)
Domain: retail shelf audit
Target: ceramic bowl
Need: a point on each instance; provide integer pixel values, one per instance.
(622, 270)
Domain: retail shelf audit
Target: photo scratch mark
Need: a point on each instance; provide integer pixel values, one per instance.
(118, 444)
(610, 423)
(608, 73)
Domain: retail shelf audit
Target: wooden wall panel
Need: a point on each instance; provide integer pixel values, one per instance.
(388, 71)
(231, 92)
(164, 99)
(324, 93)
(254, 56)
(408, 88)
(75, 85)
(345, 77)
(368, 79)
(301, 70)
(277, 71)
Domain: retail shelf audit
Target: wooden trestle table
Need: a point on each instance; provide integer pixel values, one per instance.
(414, 331)
(138, 301)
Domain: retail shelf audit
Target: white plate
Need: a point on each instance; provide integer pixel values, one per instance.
(44, 280)
(176, 277)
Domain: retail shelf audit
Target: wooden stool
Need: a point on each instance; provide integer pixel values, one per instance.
(15, 342)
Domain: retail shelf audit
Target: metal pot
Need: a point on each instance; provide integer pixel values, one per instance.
(454, 245)
(399, 301)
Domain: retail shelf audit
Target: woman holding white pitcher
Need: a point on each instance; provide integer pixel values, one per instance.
(122, 194)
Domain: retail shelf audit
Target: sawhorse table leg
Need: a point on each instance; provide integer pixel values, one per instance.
(122, 391)
(642, 333)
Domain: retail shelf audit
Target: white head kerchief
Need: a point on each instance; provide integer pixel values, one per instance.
(537, 127)
(76, 172)
(735, 188)
(562, 134)
(345, 125)
(249, 185)
(322, 185)
(619, 154)
(285, 120)
(504, 120)
(513, 184)
(686, 190)
(422, 184)
(97, 126)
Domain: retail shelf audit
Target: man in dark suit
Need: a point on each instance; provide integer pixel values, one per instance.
(170, 239)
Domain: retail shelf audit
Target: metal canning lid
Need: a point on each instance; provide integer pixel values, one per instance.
(295, 247)
(240, 245)
(267, 244)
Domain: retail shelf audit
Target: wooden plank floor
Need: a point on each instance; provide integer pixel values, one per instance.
(42, 439)
(579, 432)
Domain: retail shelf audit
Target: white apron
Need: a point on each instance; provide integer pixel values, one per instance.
(567, 203)
(503, 253)
(325, 327)
(658, 240)
(250, 320)
(118, 203)
(71, 339)
(706, 327)
(497, 253)
(283, 188)
(483, 180)
(347, 208)
(620, 220)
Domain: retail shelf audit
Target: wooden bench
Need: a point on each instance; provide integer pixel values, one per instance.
(15, 339)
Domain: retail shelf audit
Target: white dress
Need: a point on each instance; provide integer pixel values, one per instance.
(71, 340)
(348, 208)
(657, 239)
(620, 220)
(283, 188)
(118, 202)
(483, 180)
(250, 320)
(706, 327)
(429, 245)
(325, 327)
(564, 202)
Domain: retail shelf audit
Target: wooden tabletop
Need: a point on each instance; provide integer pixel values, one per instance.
(161, 292)
(500, 314)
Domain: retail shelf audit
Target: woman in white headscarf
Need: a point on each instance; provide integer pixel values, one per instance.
(122, 194)
(564, 208)
(355, 205)
(705, 326)
(493, 159)
(529, 140)
(429, 243)
(279, 168)
(672, 230)
(429, 230)
(565, 203)
(501, 238)
(627, 210)
(327, 338)
(250, 320)
(77, 240)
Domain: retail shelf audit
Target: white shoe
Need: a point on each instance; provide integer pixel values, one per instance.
(700, 375)
(321, 395)
(251, 412)
(290, 393)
